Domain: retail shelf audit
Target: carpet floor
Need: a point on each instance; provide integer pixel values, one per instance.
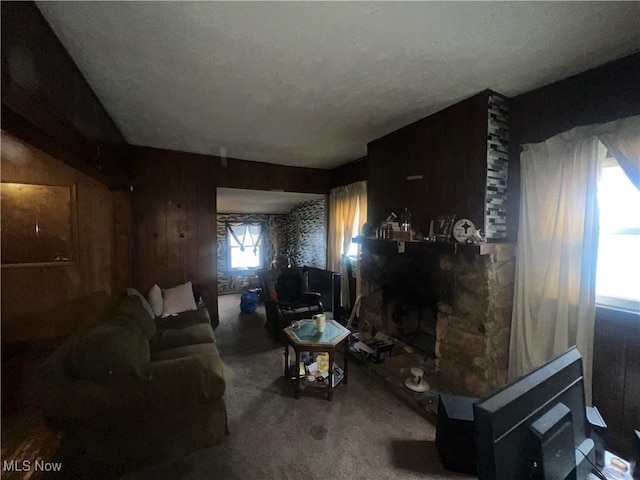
(364, 433)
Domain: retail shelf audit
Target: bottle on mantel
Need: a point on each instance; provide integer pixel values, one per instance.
(405, 220)
(389, 230)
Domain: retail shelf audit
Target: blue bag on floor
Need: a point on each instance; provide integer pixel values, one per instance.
(249, 301)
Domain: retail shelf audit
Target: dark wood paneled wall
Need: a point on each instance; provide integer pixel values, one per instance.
(267, 176)
(47, 101)
(616, 375)
(174, 211)
(122, 239)
(174, 207)
(599, 95)
(356, 171)
(449, 148)
(40, 302)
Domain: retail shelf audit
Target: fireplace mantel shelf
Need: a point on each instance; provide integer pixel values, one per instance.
(435, 247)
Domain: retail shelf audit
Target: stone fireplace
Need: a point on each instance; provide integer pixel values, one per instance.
(451, 301)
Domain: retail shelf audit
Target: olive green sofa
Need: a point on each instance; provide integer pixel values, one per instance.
(129, 389)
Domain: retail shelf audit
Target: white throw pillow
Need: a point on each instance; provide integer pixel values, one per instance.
(145, 303)
(155, 300)
(178, 299)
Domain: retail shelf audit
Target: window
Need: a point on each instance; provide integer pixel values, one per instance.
(245, 246)
(617, 282)
(347, 209)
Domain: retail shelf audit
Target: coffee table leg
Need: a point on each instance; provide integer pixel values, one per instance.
(296, 382)
(346, 362)
(330, 377)
(286, 361)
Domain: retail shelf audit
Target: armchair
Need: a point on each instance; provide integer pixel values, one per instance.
(287, 297)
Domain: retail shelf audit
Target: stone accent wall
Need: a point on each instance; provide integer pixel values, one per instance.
(474, 322)
(232, 282)
(306, 234)
(469, 291)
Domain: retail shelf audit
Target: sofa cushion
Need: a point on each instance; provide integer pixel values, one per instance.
(108, 349)
(131, 307)
(155, 300)
(178, 299)
(179, 337)
(185, 319)
(210, 359)
(181, 383)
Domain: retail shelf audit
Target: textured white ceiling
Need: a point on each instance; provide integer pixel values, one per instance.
(237, 200)
(310, 83)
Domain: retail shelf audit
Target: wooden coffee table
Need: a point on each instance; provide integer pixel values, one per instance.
(306, 338)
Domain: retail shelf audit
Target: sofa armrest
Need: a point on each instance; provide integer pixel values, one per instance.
(183, 382)
(73, 402)
(207, 299)
(312, 298)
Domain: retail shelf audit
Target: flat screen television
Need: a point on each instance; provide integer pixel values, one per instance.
(536, 424)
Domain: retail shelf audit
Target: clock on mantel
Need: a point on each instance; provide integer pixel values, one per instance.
(463, 229)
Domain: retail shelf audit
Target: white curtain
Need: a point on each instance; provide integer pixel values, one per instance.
(622, 139)
(347, 209)
(246, 235)
(554, 298)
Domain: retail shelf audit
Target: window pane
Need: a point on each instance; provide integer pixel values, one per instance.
(246, 259)
(239, 231)
(353, 250)
(355, 228)
(254, 230)
(619, 242)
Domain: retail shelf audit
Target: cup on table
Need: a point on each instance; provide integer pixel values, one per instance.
(416, 376)
(321, 321)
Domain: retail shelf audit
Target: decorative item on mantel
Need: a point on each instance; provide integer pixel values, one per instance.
(443, 227)
(368, 230)
(464, 231)
(386, 229)
(406, 232)
(476, 238)
(405, 220)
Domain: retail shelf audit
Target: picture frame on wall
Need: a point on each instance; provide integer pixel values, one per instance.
(39, 225)
(444, 227)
